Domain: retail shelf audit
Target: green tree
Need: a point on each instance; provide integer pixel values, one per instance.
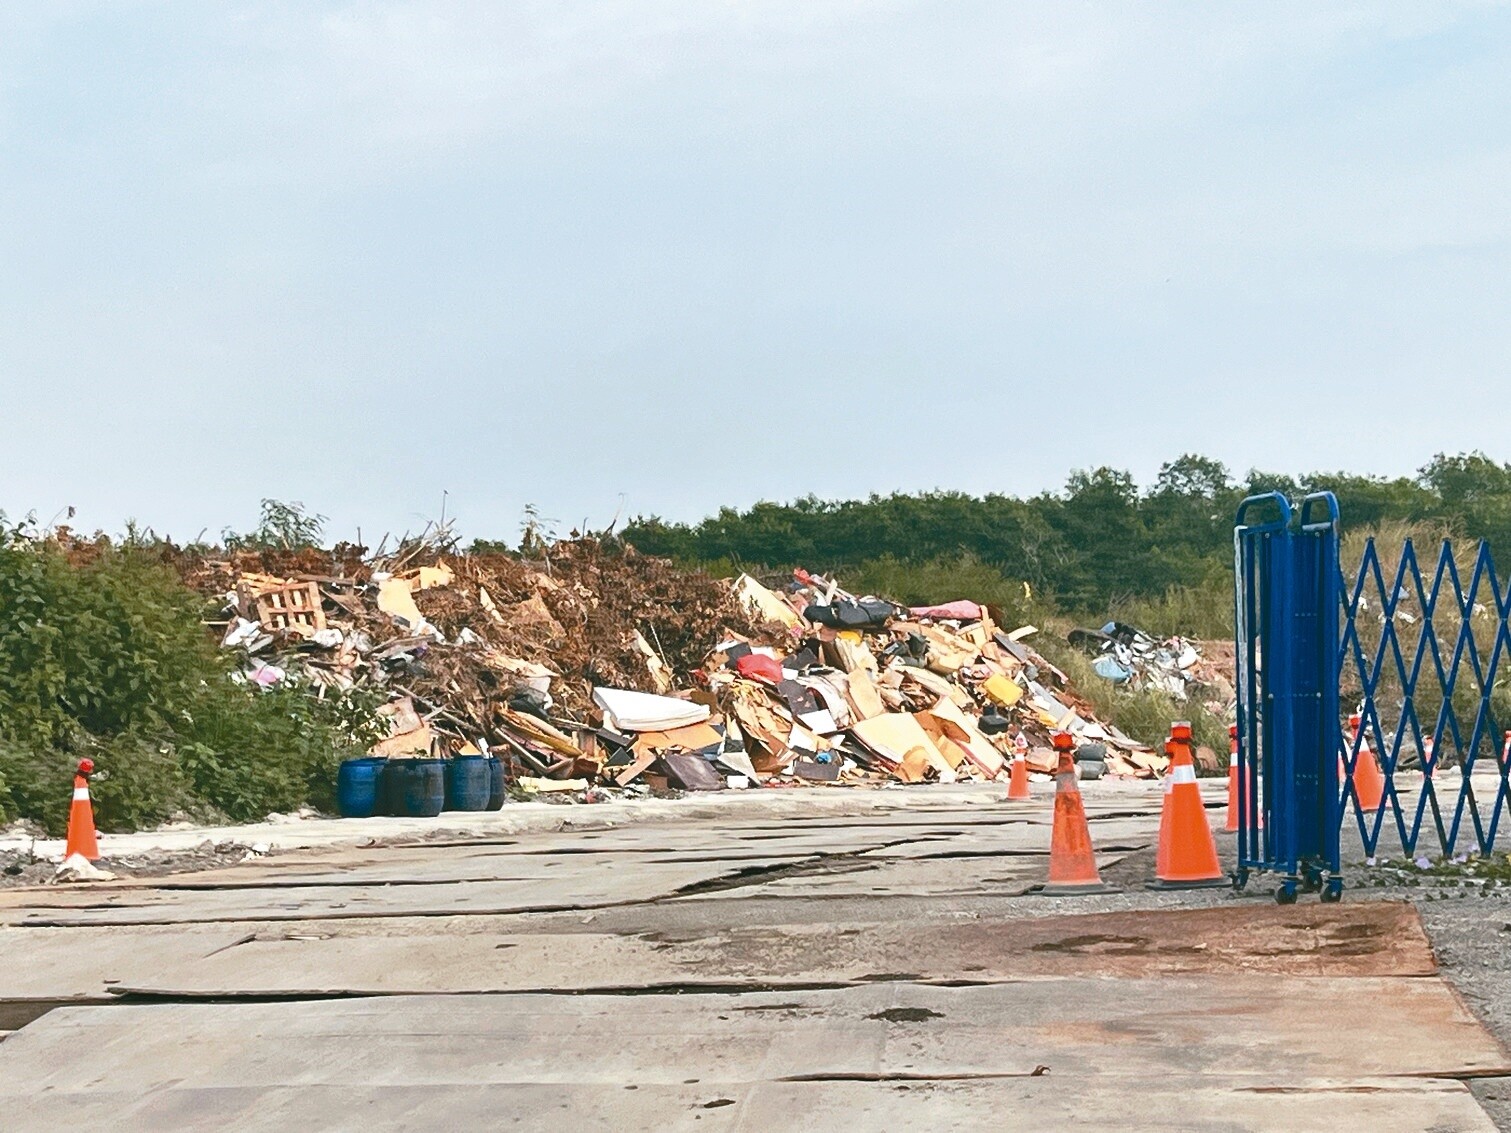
(1473, 492)
(1100, 544)
(281, 526)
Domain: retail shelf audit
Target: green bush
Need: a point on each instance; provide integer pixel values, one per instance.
(111, 645)
(137, 781)
(104, 655)
(251, 752)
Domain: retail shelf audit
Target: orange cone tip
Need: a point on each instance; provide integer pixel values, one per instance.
(1017, 782)
(1231, 826)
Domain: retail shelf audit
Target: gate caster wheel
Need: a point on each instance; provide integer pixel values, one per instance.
(1286, 894)
(1240, 879)
(1334, 891)
(1311, 880)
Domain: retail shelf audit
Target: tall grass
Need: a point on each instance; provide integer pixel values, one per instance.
(1202, 610)
(1419, 634)
(1144, 714)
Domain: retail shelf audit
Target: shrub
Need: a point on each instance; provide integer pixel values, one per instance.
(104, 654)
(250, 752)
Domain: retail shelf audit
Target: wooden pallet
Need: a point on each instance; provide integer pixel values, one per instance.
(294, 607)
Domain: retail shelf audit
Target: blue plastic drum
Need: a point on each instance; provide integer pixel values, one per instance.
(357, 787)
(467, 782)
(495, 782)
(417, 787)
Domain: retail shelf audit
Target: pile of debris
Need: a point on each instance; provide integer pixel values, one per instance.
(601, 667)
(1176, 666)
(867, 690)
(468, 633)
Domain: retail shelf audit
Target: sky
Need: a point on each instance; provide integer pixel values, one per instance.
(654, 258)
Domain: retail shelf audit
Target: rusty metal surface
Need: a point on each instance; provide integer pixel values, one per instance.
(321, 958)
(1372, 939)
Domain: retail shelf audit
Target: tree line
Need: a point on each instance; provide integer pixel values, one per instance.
(1091, 547)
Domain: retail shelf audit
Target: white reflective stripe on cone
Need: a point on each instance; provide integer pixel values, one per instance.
(1182, 774)
(81, 793)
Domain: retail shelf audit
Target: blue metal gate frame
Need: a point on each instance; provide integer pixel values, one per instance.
(1449, 673)
(1420, 649)
(1287, 603)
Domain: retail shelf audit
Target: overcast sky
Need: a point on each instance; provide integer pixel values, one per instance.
(660, 256)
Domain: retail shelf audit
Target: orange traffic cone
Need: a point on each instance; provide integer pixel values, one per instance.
(1369, 784)
(1017, 783)
(1072, 862)
(81, 839)
(1162, 849)
(1232, 824)
(1187, 855)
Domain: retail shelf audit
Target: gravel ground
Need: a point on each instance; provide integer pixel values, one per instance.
(1471, 934)
(22, 867)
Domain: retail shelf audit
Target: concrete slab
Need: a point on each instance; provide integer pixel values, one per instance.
(536, 817)
(1001, 875)
(1378, 939)
(1321, 1028)
(1022, 836)
(1263, 1060)
(812, 805)
(1009, 856)
(442, 868)
(1205, 1105)
(45, 968)
(579, 887)
(792, 999)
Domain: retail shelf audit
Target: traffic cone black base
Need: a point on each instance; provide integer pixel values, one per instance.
(1072, 889)
(1212, 883)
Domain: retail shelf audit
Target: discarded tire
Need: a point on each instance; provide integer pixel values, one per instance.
(495, 783)
(357, 782)
(467, 782)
